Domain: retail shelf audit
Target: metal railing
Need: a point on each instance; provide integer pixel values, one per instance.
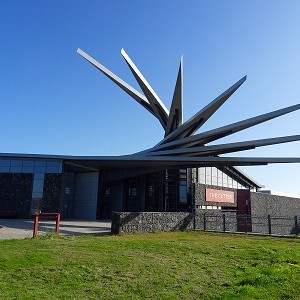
(230, 222)
(265, 225)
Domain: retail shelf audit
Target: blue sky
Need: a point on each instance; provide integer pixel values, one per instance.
(54, 102)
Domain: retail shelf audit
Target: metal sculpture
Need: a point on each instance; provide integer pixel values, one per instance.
(181, 146)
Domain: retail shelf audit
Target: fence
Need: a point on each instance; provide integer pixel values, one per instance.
(265, 225)
(130, 222)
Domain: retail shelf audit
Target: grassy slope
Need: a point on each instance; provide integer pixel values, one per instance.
(177, 265)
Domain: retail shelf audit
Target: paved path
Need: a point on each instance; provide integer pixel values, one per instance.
(20, 229)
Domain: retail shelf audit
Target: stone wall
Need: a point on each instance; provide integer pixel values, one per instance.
(52, 193)
(282, 211)
(15, 195)
(130, 222)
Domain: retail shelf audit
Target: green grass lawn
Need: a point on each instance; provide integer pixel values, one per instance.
(175, 265)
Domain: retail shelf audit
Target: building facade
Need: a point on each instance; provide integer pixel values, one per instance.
(35, 183)
(169, 177)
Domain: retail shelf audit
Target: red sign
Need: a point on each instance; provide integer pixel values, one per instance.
(219, 196)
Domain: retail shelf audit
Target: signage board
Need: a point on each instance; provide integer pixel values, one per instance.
(213, 195)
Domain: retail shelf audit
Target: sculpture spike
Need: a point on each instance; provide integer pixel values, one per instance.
(140, 98)
(161, 112)
(226, 148)
(193, 124)
(175, 116)
(215, 134)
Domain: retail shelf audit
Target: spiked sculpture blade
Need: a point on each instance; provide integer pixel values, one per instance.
(180, 147)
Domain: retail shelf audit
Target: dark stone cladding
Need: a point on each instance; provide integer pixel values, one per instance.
(132, 222)
(52, 193)
(15, 195)
(200, 195)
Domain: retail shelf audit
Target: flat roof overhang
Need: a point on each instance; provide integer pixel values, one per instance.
(135, 161)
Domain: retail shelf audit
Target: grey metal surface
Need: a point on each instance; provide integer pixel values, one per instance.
(140, 98)
(86, 195)
(175, 116)
(227, 148)
(189, 127)
(215, 134)
(157, 105)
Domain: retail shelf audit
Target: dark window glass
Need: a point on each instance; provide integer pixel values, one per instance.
(16, 163)
(132, 191)
(39, 163)
(27, 169)
(40, 169)
(52, 170)
(28, 163)
(4, 169)
(67, 190)
(16, 169)
(53, 164)
(4, 162)
(107, 191)
(183, 192)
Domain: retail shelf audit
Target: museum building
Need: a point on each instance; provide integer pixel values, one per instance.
(38, 183)
(183, 172)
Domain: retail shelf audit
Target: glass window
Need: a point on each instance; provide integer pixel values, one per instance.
(40, 163)
(40, 169)
(52, 164)
(214, 171)
(132, 191)
(202, 179)
(107, 191)
(214, 181)
(16, 163)
(182, 192)
(52, 170)
(202, 171)
(208, 179)
(4, 169)
(67, 190)
(16, 169)
(27, 169)
(4, 162)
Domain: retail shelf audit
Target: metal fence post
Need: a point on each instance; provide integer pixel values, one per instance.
(194, 221)
(246, 223)
(224, 223)
(204, 221)
(269, 225)
(296, 225)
